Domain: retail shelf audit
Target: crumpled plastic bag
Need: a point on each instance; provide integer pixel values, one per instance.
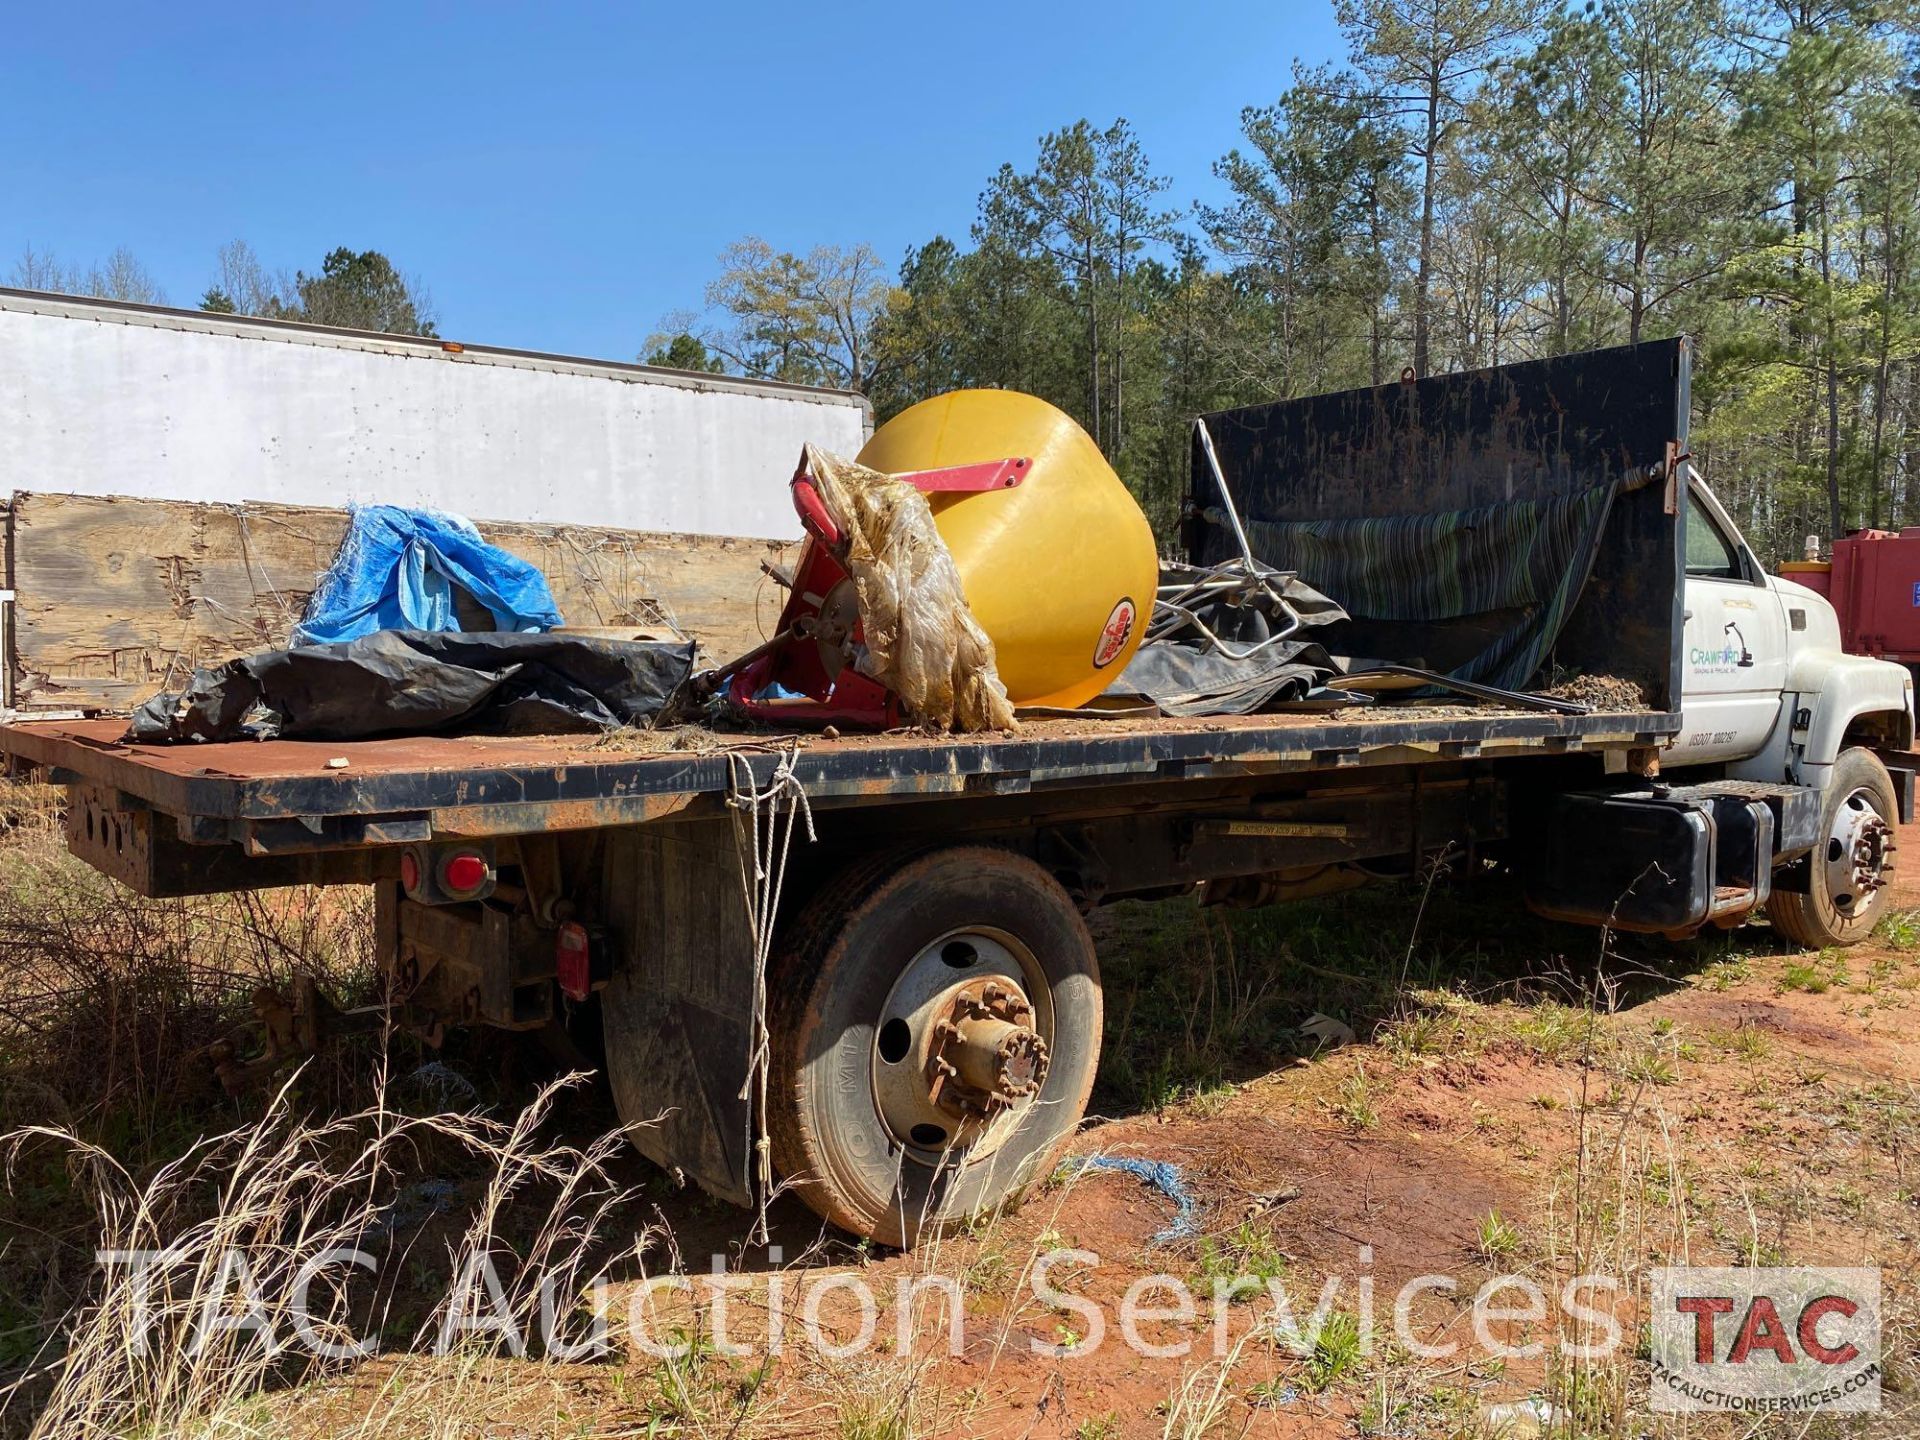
(1330, 1033)
(424, 682)
(922, 641)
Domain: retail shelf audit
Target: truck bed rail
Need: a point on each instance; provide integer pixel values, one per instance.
(284, 796)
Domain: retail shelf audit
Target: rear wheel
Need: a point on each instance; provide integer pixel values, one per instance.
(935, 1028)
(1851, 862)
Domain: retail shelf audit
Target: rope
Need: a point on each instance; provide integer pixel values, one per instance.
(763, 826)
(1162, 1175)
(239, 513)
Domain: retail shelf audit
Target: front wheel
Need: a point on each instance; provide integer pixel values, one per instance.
(1849, 865)
(935, 1027)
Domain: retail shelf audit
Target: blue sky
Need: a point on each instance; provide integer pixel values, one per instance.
(563, 176)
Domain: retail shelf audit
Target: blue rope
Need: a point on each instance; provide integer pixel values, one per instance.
(1162, 1175)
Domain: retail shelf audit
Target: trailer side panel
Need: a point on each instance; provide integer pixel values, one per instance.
(112, 399)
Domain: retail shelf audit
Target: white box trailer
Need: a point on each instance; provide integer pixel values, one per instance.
(98, 397)
(174, 481)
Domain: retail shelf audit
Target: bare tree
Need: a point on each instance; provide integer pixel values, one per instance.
(243, 286)
(122, 277)
(808, 319)
(39, 270)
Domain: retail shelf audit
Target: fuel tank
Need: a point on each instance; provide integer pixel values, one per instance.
(1059, 570)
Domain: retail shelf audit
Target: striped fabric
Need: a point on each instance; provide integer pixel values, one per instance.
(1532, 556)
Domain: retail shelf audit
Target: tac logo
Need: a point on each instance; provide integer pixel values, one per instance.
(1766, 1340)
(1113, 635)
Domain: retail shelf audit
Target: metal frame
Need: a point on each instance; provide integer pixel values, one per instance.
(795, 656)
(1239, 583)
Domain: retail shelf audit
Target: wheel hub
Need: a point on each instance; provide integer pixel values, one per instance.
(1859, 854)
(961, 1044)
(832, 629)
(985, 1057)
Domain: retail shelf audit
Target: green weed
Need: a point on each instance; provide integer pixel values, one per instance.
(1497, 1240)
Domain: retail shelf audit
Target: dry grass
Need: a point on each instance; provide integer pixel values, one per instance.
(109, 1002)
(180, 1348)
(117, 1139)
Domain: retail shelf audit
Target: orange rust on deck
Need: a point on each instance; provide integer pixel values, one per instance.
(547, 815)
(415, 754)
(286, 759)
(485, 785)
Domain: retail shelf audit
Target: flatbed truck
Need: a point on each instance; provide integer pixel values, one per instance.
(905, 1026)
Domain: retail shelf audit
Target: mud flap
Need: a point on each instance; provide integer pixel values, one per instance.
(678, 1009)
(1901, 765)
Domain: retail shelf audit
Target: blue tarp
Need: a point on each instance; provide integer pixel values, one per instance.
(397, 569)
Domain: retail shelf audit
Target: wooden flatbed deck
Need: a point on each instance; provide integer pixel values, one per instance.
(499, 786)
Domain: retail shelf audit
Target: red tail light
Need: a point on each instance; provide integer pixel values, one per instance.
(465, 872)
(572, 961)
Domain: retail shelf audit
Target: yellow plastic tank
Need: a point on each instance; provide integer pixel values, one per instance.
(1059, 570)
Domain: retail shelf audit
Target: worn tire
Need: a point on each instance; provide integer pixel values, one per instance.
(1814, 921)
(835, 969)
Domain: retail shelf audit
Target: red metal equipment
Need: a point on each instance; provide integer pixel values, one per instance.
(812, 652)
(1873, 584)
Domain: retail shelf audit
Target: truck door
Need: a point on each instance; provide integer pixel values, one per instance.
(1735, 663)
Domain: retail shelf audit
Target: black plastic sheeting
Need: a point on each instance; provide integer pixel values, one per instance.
(419, 682)
(1188, 674)
(1184, 679)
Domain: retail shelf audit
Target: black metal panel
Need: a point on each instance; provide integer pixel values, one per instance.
(1742, 855)
(1902, 777)
(1453, 442)
(1114, 856)
(478, 964)
(121, 836)
(1796, 809)
(1664, 859)
(678, 1012)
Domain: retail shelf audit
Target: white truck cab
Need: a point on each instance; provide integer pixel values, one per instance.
(1768, 695)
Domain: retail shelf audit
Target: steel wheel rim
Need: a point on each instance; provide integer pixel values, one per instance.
(905, 1041)
(1854, 858)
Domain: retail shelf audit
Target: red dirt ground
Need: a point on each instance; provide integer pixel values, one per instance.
(1793, 1136)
